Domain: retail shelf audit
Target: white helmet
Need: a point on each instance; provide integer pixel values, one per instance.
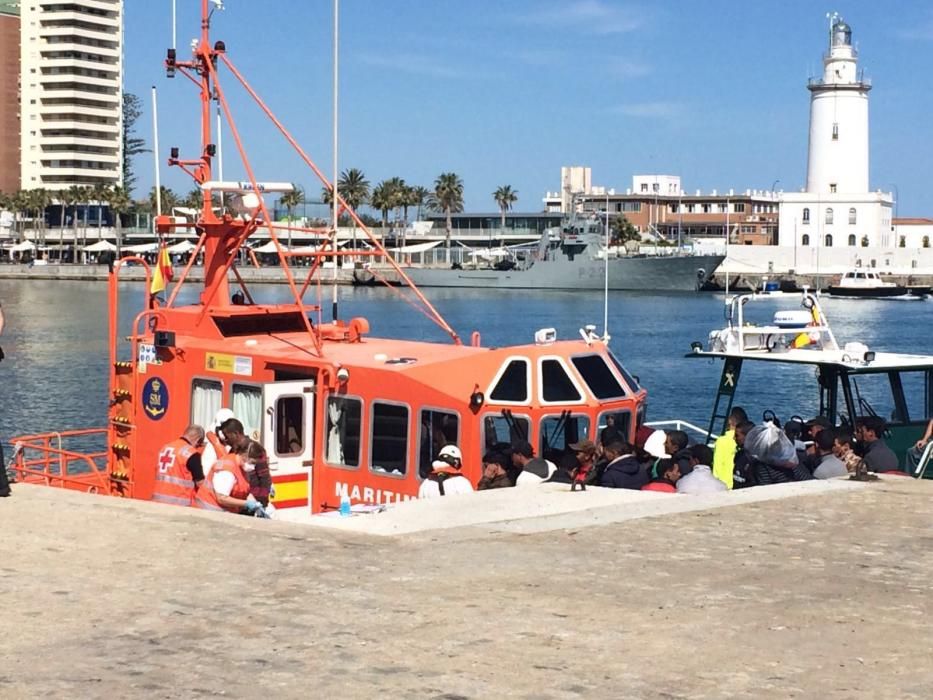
(451, 451)
(223, 415)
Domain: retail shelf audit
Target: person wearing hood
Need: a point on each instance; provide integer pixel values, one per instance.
(446, 478)
(494, 473)
(624, 471)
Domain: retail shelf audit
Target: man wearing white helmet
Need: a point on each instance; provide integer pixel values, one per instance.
(445, 478)
(215, 446)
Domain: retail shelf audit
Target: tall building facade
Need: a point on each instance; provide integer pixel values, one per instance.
(9, 96)
(71, 84)
(837, 209)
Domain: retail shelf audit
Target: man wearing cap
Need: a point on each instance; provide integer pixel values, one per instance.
(494, 474)
(532, 470)
(585, 452)
(445, 478)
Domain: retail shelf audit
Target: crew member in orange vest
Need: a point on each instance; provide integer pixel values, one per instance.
(178, 470)
(227, 487)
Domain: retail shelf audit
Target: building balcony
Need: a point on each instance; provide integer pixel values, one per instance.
(108, 23)
(85, 83)
(78, 111)
(66, 45)
(92, 63)
(100, 140)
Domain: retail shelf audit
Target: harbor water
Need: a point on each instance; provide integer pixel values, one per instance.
(55, 373)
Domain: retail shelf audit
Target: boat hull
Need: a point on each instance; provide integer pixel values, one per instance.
(878, 292)
(660, 273)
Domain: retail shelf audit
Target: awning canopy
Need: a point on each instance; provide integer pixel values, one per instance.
(416, 248)
(141, 248)
(99, 247)
(24, 246)
(182, 247)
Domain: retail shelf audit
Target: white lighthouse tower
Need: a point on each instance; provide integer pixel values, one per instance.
(838, 154)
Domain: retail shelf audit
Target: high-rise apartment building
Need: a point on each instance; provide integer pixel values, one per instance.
(71, 93)
(9, 95)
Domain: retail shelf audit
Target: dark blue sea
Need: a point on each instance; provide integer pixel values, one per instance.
(55, 372)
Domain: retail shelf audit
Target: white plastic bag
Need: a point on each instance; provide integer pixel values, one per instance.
(767, 443)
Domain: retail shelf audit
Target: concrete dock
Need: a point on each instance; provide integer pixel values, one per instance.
(826, 594)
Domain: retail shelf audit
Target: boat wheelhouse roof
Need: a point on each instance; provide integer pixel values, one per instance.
(882, 362)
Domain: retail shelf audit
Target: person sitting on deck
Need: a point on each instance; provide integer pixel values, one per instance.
(494, 473)
(445, 478)
(701, 478)
(624, 471)
(915, 453)
(675, 444)
(532, 470)
(178, 468)
(828, 464)
(842, 448)
(878, 457)
(742, 474)
(725, 449)
(586, 453)
(668, 472)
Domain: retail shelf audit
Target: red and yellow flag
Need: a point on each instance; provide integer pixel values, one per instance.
(162, 274)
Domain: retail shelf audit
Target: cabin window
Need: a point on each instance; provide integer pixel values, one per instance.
(829, 215)
(853, 216)
(504, 428)
(828, 240)
(598, 377)
(916, 390)
(630, 379)
(852, 239)
(206, 400)
(873, 395)
(389, 445)
(805, 240)
(556, 384)
(438, 428)
(513, 383)
(556, 432)
(344, 422)
(806, 215)
(614, 425)
(247, 407)
(289, 425)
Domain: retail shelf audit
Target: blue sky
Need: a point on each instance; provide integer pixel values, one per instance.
(507, 93)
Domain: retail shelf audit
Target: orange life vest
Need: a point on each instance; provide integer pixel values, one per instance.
(173, 482)
(207, 499)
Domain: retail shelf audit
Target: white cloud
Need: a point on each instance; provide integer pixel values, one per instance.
(411, 63)
(593, 16)
(658, 110)
(922, 32)
(621, 68)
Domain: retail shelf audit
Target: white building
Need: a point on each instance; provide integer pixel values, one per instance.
(837, 209)
(71, 77)
(574, 179)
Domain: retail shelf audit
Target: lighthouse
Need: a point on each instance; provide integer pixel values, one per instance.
(837, 160)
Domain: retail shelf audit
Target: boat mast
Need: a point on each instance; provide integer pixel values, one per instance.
(335, 199)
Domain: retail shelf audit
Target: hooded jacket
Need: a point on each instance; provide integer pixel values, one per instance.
(624, 472)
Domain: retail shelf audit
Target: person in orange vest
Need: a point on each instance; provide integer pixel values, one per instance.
(178, 469)
(227, 486)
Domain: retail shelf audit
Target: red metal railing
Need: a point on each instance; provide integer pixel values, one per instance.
(46, 459)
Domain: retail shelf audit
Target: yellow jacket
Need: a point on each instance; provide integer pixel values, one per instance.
(724, 457)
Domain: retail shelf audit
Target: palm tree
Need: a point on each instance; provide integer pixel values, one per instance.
(419, 196)
(120, 203)
(194, 199)
(381, 199)
(354, 188)
(20, 203)
(505, 197)
(447, 197)
(398, 192)
(99, 193)
(168, 197)
(290, 200)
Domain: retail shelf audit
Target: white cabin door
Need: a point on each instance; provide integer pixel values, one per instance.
(288, 437)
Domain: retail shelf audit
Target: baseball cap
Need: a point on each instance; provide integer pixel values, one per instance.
(583, 446)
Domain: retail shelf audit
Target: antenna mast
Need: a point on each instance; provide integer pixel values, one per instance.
(334, 196)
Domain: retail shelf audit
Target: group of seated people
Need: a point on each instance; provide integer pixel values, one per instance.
(666, 461)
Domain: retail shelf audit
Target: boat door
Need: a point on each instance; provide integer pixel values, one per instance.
(288, 437)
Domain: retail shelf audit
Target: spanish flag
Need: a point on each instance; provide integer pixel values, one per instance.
(163, 271)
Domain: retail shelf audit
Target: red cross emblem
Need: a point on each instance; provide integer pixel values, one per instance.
(166, 457)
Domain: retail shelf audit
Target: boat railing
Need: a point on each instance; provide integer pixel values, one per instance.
(699, 434)
(53, 460)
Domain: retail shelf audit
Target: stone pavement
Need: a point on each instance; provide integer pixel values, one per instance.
(819, 596)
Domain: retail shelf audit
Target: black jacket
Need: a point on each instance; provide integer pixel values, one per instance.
(624, 473)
